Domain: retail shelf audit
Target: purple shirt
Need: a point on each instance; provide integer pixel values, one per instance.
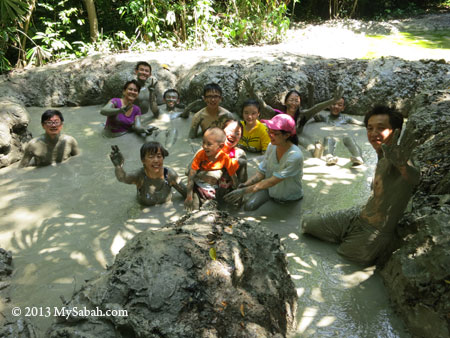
(121, 122)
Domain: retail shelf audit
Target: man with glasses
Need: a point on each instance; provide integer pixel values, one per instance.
(52, 146)
(212, 115)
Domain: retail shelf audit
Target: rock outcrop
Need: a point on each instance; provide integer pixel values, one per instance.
(14, 121)
(418, 273)
(209, 275)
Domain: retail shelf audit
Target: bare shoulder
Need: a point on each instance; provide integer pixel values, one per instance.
(171, 174)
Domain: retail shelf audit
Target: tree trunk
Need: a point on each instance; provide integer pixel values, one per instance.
(92, 16)
(22, 51)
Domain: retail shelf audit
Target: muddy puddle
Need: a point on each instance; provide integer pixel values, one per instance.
(65, 223)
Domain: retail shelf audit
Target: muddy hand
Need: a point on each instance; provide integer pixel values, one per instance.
(338, 92)
(151, 83)
(394, 152)
(116, 156)
(189, 203)
(151, 129)
(249, 86)
(235, 196)
(126, 108)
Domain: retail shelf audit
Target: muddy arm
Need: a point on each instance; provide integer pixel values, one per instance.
(250, 87)
(194, 127)
(111, 110)
(189, 201)
(398, 155)
(75, 149)
(27, 156)
(175, 182)
(189, 108)
(308, 113)
(118, 161)
(152, 97)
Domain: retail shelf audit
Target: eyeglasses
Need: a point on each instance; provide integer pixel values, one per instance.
(213, 97)
(53, 123)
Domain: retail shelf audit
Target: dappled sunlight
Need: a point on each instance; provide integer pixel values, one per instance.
(306, 318)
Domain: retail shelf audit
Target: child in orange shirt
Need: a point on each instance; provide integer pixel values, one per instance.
(206, 169)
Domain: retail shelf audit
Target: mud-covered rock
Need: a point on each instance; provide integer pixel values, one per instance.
(5, 263)
(210, 275)
(14, 121)
(418, 273)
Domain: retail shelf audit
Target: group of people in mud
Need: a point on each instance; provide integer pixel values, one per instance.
(218, 170)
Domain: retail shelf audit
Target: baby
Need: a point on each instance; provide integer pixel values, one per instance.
(206, 169)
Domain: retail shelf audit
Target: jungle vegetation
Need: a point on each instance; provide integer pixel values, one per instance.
(34, 32)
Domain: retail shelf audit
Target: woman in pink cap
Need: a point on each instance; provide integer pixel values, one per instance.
(279, 175)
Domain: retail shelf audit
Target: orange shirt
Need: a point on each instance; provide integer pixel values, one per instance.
(222, 160)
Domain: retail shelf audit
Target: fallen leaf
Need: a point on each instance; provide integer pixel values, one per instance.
(225, 304)
(447, 281)
(242, 310)
(208, 272)
(212, 254)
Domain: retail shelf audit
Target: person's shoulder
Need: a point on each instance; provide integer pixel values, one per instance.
(66, 137)
(295, 151)
(200, 112)
(171, 174)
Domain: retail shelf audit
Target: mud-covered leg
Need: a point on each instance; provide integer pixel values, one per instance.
(329, 151)
(354, 149)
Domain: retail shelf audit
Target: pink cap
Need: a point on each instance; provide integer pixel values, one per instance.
(281, 122)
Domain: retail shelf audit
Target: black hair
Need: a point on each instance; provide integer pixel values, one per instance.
(48, 114)
(395, 118)
(153, 148)
(289, 93)
(227, 122)
(292, 138)
(212, 86)
(143, 63)
(134, 82)
(250, 102)
(168, 91)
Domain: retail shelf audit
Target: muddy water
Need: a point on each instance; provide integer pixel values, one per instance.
(65, 223)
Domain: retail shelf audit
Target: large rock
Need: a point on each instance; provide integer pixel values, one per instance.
(418, 273)
(14, 121)
(210, 275)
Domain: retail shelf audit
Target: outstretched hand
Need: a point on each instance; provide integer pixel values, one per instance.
(151, 129)
(398, 154)
(249, 86)
(234, 196)
(338, 93)
(116, 156)
(151, 83)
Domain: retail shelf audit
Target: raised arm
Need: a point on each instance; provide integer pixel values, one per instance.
(118, 161)
(151, 85)
(195, 125)
(110, 109)
(308, 113)
(398, 155)
(190, 107)
(250, 87)
(351, 120)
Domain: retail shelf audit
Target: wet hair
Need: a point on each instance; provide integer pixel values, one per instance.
(218, 133)
(292, 138)
(250, 102)
(153, 148)
(48, 114)
(168, 91)
(143, 63)
(395, 118)
(227, 122)
(212, 87)
(132, 82)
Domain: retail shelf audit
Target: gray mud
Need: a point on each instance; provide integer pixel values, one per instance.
(66, 223)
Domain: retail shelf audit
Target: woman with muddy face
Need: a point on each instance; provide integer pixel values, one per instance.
(279, 175)
(122, 116)
(292, 107)
(233, 132)
(154, 182)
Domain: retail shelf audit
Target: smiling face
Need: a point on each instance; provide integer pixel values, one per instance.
(53, 126)
(379, 131)
(337, 107)
(171, 99)
(211, 145)
(130, 93)
(250, 115)
(293, 101)
(233, 133)
(154, 162)
(143, 73)
(212, 99)
(277, 137)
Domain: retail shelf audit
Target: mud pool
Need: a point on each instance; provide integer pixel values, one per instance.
(65, 223)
